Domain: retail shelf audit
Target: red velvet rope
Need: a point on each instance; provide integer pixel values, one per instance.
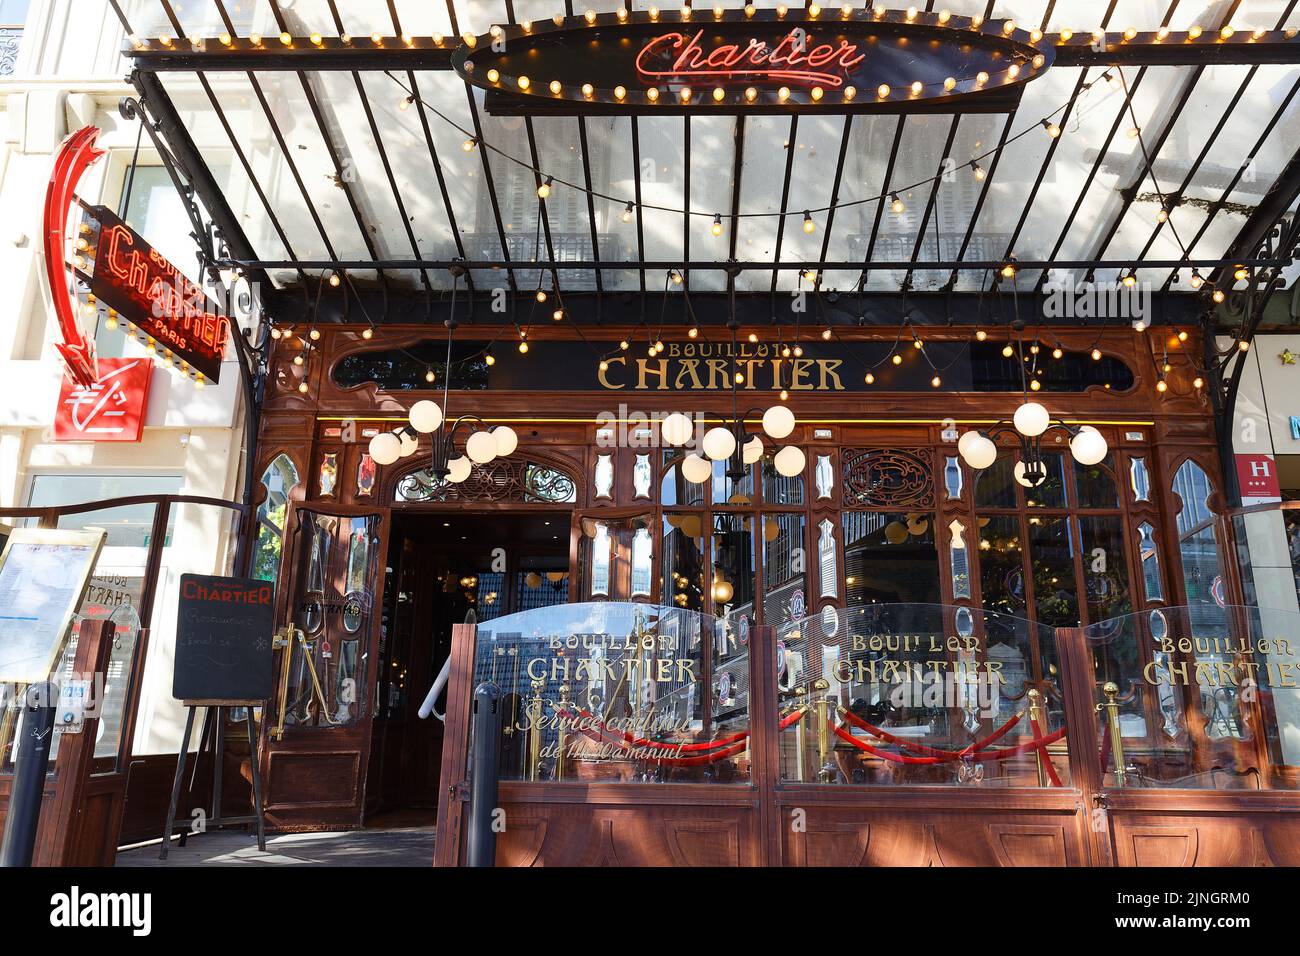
(1034, 744)
(1046, 757)
(922, 748)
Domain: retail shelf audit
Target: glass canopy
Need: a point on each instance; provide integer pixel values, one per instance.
(329, 164)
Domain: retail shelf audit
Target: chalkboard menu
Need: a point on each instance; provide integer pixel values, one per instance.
(223, 639)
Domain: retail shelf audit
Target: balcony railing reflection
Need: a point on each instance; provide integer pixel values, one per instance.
(10, 39)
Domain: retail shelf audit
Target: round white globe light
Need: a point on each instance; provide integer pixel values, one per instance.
(1031, 419)
(789, 461)
(981, 453)
(1018, 472)
(966, 440)
(696, 470)
(425, 416)
(506, 440)
(676, 428)
(778, 421)
(723, 592)
(385, 448)
(1088, 446)
(409, 444)
(458, 469)
(481, 447)
(719, 443)
(753, 450)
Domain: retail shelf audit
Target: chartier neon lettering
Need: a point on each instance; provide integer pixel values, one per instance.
(178, 300)
(756, 59)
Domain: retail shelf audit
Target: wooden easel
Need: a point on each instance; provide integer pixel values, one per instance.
(213, 738)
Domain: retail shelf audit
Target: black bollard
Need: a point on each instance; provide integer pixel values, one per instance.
(33, 754)
(481, 843)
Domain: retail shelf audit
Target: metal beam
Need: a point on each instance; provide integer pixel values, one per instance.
(423, 53)
(752, 265)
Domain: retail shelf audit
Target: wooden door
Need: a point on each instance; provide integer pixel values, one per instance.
(316, 732)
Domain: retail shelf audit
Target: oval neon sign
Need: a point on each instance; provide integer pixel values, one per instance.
(845, 59)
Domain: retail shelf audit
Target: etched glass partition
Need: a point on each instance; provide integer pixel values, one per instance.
(920, 694)
(619, 692)
(1204, 697)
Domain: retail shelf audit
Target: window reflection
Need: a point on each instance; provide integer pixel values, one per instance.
(683, 561)
(1002, 573)
(784, 567)
(732, 585)
(1149, 555)
(1052, 546)
(890, 558)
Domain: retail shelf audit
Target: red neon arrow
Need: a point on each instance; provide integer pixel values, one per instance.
(77, 154)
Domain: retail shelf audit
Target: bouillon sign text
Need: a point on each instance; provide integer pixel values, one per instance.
(842, 59)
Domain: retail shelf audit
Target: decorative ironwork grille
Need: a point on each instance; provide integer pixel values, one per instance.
(502, 480)
(889, 477)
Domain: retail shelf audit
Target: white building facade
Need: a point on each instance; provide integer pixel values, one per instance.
(61, 70)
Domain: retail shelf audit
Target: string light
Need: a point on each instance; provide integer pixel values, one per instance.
(716, 228)
(489, 358)
(1096, 355)
(1008, 351)
(1052, 129)
(544, 190)
(896, 204)
(980, 335)
(469, 144)
(808, 224)
(558, 315)
(977, 171)
(541, 295)
(897, 359)
(428, 375)
(627, 213)
(870, 379)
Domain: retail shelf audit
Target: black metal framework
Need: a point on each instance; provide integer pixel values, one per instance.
(410, 54)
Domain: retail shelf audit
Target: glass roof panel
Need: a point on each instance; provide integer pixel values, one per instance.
(760, 192)
(1048, 225)
(662, 158)
(864, 173)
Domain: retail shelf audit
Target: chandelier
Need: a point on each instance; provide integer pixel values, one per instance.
(453, 457)
(731, 441)
(1028, 425)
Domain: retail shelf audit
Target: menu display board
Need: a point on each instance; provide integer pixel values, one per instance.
(43, 575)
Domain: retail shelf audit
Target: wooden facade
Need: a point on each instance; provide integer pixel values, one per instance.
(316, 777)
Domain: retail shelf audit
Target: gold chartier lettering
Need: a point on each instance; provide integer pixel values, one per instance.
(658, 670)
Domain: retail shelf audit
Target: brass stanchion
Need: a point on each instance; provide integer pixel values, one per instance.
(1035, 721)
(562, 741)
(820, 686)
(535, 729)
(1111, 690)
(801, 739)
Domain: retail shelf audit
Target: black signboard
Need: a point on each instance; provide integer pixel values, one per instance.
(842, 59)
(223, 639)
(821, 367)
